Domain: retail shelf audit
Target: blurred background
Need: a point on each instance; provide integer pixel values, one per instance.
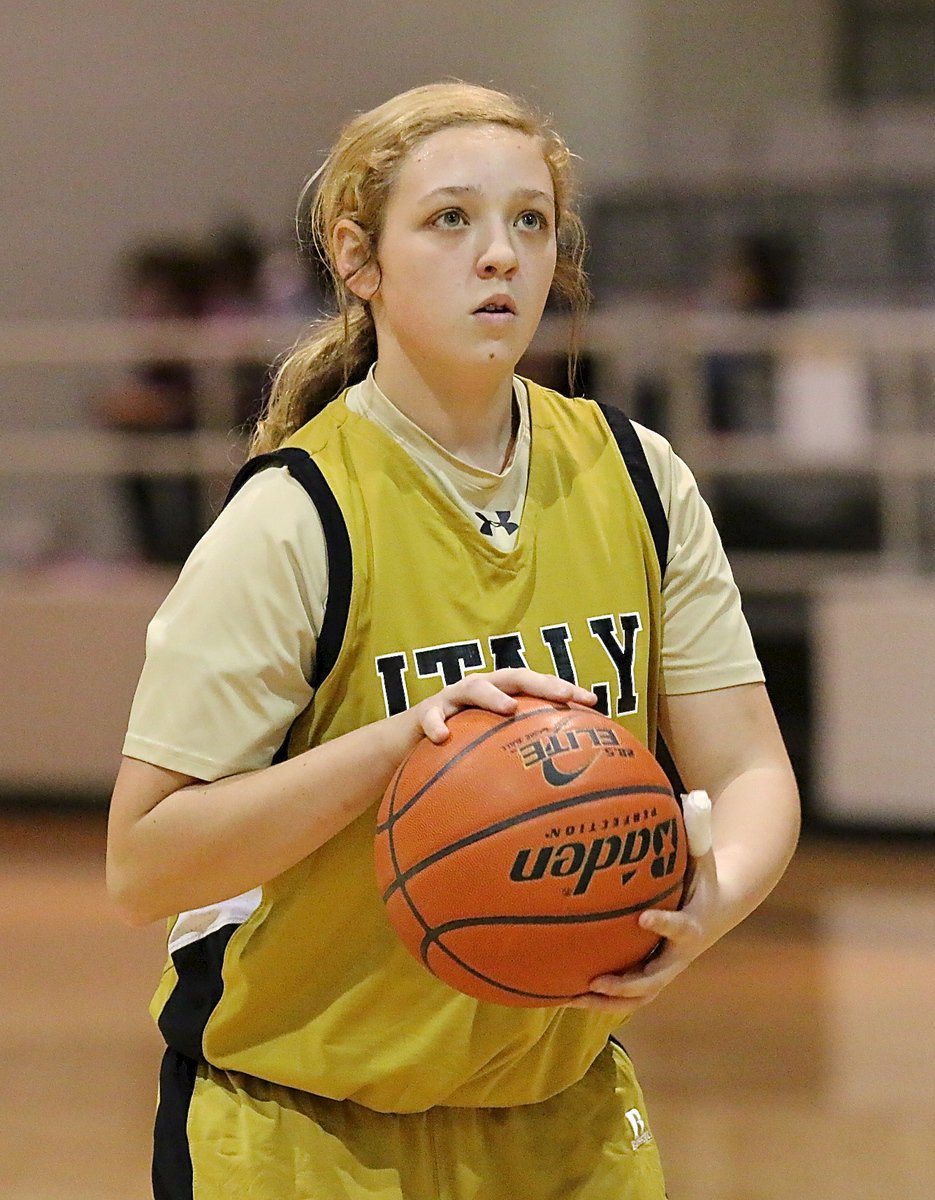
(758, 183)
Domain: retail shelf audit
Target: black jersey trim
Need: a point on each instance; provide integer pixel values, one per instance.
(637, 465)
(306, 471)
(197, 992)
(172, 1171)
(634, 457)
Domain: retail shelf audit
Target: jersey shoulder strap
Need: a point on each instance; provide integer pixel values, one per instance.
(306, 471)
(634, 457)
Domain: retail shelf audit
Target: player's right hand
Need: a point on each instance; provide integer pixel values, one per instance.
(495, 691)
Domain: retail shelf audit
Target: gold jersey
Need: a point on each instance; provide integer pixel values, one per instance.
(312, 989)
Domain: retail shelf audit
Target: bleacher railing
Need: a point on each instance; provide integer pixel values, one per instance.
(865, 407)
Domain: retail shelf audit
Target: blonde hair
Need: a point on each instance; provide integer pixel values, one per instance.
(354, 182)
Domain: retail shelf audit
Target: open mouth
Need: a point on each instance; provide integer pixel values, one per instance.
(495, 307)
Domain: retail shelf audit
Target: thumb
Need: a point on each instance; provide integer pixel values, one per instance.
(665, 923)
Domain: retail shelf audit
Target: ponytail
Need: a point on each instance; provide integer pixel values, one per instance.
(337, 352)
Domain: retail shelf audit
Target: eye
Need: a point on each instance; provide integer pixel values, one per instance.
(532, 220)
(451, 218)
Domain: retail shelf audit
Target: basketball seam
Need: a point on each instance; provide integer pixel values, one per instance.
(432, 939)
(395, 861)
(553, 919)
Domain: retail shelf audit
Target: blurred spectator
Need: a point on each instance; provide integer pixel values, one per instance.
(753, 392)
(231, 276)
(235, 257)
(758, 275)
(248, 279)
(161, 281)
(291, 283)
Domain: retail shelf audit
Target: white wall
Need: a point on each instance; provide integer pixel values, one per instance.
(740, 62)
(741, 90)
(121, 119)
(874, 695)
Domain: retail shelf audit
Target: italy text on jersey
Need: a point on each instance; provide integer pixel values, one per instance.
(453, 660)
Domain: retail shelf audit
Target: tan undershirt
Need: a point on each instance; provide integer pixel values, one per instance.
(492, 500)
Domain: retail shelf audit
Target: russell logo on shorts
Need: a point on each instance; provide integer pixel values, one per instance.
(641, 1133)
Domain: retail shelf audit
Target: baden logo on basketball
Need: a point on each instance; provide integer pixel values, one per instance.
(584, 859)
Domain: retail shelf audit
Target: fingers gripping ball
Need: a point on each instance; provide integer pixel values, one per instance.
(514, 859)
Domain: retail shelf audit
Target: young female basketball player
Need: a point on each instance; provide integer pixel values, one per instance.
(439, 534)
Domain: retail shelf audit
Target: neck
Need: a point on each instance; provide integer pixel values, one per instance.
(470, 416)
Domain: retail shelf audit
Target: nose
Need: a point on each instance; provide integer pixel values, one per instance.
(498, 255)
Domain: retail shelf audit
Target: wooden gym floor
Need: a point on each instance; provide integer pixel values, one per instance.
(795, 1061)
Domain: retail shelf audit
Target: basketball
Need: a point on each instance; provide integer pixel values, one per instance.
(514, 859)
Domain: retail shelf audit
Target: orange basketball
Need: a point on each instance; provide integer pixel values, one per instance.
(514, 859)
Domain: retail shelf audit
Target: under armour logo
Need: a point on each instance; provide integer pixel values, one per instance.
(488, 524)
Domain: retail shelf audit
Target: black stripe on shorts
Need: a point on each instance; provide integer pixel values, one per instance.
(173, 1177)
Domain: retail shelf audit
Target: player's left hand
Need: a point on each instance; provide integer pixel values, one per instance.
(686, 933)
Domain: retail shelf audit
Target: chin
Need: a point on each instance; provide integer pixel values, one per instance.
(495, 361)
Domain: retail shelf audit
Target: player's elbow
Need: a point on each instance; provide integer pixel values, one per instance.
(129, 909)
(127, 897)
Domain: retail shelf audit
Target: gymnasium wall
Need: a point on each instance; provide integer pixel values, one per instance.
(735, 65)
(121, 119)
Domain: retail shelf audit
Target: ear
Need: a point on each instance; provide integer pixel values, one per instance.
(353, 257)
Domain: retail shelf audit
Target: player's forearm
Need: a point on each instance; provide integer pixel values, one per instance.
(206, 842)
(727, 742)
(755, 823)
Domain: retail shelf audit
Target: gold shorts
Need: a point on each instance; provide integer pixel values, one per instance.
(221, 1134)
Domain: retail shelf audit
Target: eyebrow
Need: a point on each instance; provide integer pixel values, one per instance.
(473, 190)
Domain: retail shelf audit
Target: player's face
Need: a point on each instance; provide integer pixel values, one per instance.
(467, 251)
